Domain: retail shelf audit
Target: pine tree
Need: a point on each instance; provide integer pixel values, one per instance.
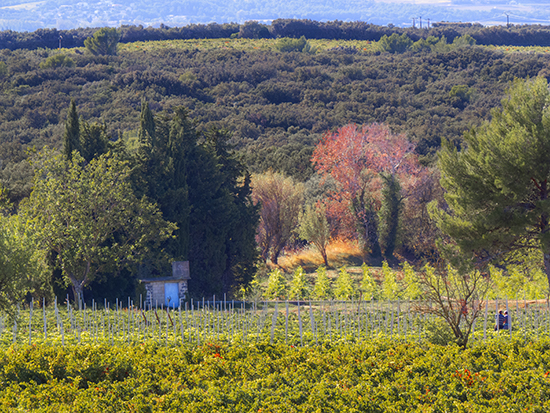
(71, 138)
(202, 188)
(497, 187)
(390, 213)
(93, 140)
(242, 215)
(103, 42)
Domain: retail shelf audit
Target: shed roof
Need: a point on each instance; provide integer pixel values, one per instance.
(180, 272)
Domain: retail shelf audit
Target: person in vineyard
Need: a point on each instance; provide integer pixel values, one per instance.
(506, 325)
(500, 319)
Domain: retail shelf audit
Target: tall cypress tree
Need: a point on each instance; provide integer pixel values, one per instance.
(198, 186)
(181, 145)
(390, 213)
(71, 138)
(146, 132)
(243, 215)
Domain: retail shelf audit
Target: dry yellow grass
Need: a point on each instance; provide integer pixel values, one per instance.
(340, 253)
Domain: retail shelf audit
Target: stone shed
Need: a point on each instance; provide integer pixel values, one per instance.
(168, 291)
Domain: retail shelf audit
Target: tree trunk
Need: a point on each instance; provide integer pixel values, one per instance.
(325, 257)
(547, 267)
(78, 291)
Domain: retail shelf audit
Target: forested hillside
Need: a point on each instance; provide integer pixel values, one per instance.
(274, 101)
(276, 104)
(511, 35)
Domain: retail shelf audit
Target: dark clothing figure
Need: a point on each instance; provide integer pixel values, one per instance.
(500, 321)
(506, 325)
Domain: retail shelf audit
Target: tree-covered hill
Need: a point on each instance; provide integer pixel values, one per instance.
(276, 104)
(51, 38)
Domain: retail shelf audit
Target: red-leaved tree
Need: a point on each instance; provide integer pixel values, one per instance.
(369, 164)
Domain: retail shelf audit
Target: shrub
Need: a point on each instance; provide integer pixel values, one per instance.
(58, 60)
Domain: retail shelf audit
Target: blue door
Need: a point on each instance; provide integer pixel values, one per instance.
(171, 297)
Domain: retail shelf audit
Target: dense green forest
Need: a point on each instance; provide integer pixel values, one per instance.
(266, 98)
(188, 121)
(519, 35)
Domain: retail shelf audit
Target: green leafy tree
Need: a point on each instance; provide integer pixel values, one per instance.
(276, 285)
(3, 70)
(280, 200)
(253, 30)
(23, 263)
(390, 287)
(413, 289)
(299, 285)
(369, 289)
(89, 216)
(344, 288)
(322, 289)
(464, 41)
(426, 44)
(103, 42)
(314, 228)
(287, 44)
(57, 60)
(497, 186)
(395, 43)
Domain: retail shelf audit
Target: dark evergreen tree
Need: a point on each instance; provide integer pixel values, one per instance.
(71, 138)
(240, 247)
(497, 187)
(146, 132)
(390, 213)
(93, 140)
(199, 185)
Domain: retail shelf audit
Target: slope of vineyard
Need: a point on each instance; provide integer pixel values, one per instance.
(380, 376)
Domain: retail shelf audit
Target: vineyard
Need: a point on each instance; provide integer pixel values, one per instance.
(237, 360)
(296, 323)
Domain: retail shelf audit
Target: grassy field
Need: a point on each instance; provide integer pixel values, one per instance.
(364, 46)
(270, 45)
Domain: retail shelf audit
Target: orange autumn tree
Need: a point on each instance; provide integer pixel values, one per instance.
(369, 164)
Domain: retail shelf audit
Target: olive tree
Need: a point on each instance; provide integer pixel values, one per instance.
(89, 217)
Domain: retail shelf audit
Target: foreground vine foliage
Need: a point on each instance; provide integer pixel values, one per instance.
(381, 376)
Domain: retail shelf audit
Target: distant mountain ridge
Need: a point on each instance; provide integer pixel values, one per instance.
(21, 15)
